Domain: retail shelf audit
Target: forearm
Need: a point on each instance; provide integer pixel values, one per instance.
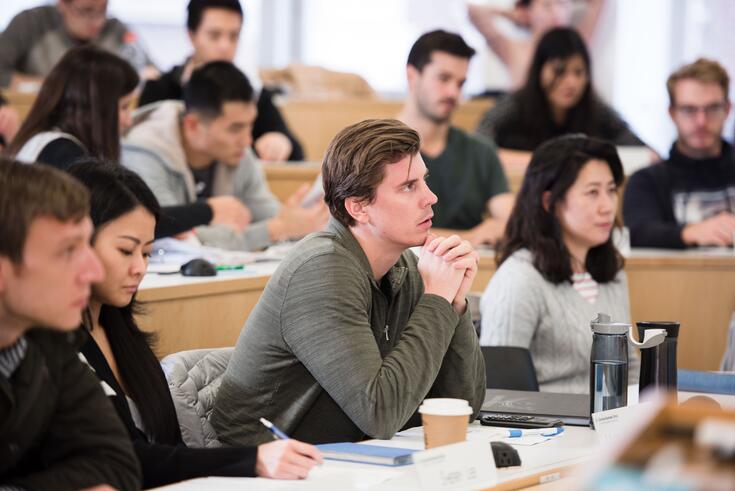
(657, 234)
(177, 219)
(462, 374)
(165, 464)
(380, 394)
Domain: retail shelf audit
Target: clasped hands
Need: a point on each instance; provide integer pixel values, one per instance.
(447, 267)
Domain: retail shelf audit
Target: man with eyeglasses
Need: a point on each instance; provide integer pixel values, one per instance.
(37, 38)
(689, 199)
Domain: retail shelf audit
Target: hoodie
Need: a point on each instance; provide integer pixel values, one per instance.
(154, 149)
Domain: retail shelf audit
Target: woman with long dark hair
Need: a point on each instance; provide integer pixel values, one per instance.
(557, 98)
(124, 213)
(557, 265)
(83, 107)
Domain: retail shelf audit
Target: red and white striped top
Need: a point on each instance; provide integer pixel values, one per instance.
(585, 286)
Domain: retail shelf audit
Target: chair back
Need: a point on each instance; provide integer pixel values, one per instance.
(509, 368)
(193, 379)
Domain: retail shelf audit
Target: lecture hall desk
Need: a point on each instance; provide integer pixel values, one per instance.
(696, 288)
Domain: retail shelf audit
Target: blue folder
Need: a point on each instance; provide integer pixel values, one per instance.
(367, 454)
(707, 382)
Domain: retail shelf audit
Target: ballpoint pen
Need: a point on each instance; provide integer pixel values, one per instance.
(534, 431)
(274, 429)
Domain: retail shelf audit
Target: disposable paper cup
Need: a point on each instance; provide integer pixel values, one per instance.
(445, 421)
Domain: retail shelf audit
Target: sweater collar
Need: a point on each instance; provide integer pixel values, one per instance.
(679, 159)
(395, 275)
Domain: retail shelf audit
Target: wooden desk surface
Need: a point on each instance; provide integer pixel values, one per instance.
(190, 313)
(696, 288)
(285, 178)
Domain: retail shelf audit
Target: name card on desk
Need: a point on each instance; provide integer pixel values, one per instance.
(466, 465)
(610, 424)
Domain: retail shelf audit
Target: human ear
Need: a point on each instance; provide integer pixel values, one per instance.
(5, 269)
(412, 75)
(357, 209)
(546, 200)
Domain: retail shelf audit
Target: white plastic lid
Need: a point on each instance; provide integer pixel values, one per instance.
(446, 407)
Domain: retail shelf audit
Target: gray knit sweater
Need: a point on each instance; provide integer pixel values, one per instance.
(330, 354)
(521, 308)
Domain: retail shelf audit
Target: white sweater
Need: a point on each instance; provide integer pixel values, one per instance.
(521, 308)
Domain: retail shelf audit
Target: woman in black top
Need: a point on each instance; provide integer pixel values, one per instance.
(83, 107)
(557, 98)
(124, 213)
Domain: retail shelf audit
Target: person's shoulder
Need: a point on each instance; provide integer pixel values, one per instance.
(57, 344)
(472, 140)
(505, 111)
(319, 250)
(653, 172)
(519, 266)
(32, 22)
(43, 13)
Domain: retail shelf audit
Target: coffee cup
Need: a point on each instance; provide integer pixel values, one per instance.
(445, 421)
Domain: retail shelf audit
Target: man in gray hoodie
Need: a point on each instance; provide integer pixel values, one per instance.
(353, 330)
(201, 148)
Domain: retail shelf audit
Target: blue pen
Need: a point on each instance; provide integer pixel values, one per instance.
(274, 429)
(535, 431)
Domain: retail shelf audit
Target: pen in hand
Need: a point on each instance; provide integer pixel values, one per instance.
(278, 434)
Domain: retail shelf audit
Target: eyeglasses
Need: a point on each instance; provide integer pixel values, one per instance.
(710, 111)
(89, 14)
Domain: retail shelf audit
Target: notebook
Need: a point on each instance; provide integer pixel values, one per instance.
(367, 454)
(571, 409)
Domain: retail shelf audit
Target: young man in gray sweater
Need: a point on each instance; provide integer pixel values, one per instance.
(353, 330)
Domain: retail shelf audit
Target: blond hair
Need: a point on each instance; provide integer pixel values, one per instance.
(704, 71)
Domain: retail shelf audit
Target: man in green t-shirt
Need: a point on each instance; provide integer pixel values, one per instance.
(464, 170)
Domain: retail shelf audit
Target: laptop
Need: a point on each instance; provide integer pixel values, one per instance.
(571, 409)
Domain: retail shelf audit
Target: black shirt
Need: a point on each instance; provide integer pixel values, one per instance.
(504, 123)
(661, 199)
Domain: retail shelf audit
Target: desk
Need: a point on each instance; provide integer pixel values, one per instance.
(316, 121)
(20, 101)
(541, 463)
(694, 287)
(285, 178)
(190, 313)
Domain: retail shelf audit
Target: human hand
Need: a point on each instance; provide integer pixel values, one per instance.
(440, 277)
(286, 459)
(101, 487)
(463, 257)
(229, 211)
(714, 231)
(294, 220)
(273, 146)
